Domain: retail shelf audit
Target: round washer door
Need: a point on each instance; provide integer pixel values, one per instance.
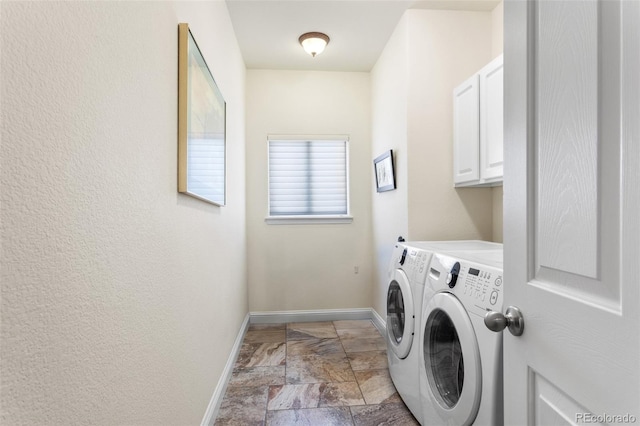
(400, 316)
(452, 360)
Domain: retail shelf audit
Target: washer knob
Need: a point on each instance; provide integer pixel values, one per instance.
(403, 257)
(452, 277)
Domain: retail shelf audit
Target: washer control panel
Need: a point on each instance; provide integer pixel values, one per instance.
(479, 287)
(482, 286)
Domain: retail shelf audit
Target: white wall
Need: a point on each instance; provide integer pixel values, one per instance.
(442, 56)
(497, 30)
(121, 299)
(298, 267)
(389, 103)
(430, 52)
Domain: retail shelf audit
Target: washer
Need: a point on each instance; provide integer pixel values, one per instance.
(407, 275)
(460, 361)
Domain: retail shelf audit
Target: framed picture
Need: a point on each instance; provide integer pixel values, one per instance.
(383, 166)
(201, 125)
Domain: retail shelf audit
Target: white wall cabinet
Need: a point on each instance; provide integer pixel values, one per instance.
(466, 132)
(477, 128)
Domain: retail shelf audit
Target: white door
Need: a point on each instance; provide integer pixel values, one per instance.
(572, 211)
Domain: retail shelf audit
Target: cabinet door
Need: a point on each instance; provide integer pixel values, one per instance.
(466, 105)
(491, 108)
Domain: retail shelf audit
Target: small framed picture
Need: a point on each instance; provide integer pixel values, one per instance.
(383, 167)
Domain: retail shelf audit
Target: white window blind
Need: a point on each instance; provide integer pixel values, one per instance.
(308, 178)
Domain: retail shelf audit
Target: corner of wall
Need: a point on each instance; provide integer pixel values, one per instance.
(389, 89)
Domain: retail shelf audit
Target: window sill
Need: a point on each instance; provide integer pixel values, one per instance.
(307, 220)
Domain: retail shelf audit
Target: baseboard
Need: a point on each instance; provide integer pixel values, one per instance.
(218, 393)
(280, 317)
(380, 324)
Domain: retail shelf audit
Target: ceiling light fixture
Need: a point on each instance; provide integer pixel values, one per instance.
(314, 43)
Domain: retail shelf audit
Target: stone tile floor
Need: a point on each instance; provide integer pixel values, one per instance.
(314, 373)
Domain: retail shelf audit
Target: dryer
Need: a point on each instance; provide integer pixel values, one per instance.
(460, 360)
(407, 275)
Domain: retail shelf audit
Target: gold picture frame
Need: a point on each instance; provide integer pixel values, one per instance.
(201, 125)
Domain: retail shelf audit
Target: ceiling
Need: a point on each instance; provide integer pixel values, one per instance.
(268, 30)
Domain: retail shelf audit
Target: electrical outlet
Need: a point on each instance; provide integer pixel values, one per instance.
(356, 269)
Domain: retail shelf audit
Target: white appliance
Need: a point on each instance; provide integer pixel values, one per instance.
(460, 359)
(407, 275)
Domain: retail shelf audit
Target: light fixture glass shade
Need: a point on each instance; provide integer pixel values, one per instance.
(314, 43)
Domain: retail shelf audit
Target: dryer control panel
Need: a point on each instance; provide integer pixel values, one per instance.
(416, 264)
(422, 264)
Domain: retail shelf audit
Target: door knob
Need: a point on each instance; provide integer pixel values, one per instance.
(512, 319)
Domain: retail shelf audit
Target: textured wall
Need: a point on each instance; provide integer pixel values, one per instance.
(309, 266)
(121, 299)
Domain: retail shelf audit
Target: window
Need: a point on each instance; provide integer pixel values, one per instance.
(308, 180)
